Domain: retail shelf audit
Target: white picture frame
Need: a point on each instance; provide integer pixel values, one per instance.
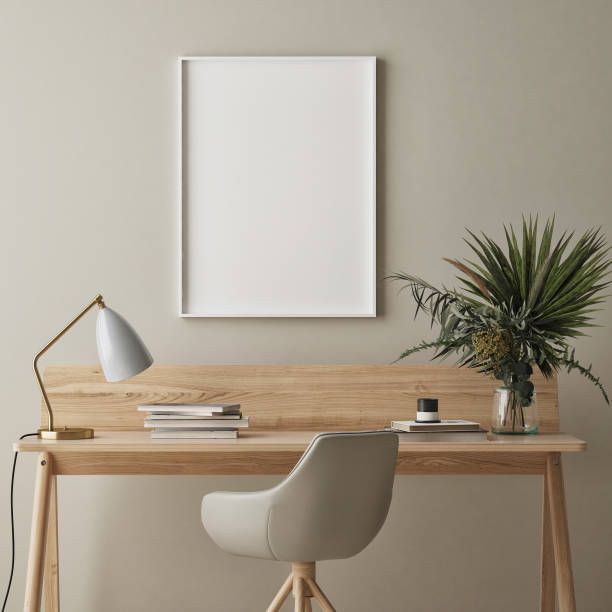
(277, 186)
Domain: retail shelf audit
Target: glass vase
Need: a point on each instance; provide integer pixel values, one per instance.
(509, 417)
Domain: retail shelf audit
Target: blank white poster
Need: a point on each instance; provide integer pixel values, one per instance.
(278, 186)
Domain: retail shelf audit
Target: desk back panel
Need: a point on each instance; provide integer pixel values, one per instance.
(319, 397)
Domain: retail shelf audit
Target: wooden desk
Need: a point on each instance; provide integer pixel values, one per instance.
(287, 406)
(268, 452)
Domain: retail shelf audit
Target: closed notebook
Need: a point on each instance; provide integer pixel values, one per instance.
(448, 425)
(161, 418)
(197, 423)
(195, 433)
(191, 408)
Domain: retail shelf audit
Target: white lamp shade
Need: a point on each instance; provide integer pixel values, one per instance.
(121, 351)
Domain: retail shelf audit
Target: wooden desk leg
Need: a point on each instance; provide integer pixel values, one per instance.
(51, 575)
(560, 535)
(548, 588)
(38, 535)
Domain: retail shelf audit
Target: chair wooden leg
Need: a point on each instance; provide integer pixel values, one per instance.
(278, 601)
(307, 597)
(302, 570)
(560, 535)
(302, 581)
(318, 593)
(51, 575)
(38, 535)
(298, 593)
(548, 587)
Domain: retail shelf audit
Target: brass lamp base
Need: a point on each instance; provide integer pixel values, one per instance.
(66, 433)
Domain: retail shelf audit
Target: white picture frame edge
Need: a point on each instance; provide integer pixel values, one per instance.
(229, 58)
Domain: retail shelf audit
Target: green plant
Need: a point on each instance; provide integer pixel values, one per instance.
(517, 307)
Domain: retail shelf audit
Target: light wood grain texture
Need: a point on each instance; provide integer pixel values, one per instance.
(304, 569)
(548, 587)
(301, 572)
(320, 397)
(276, 452)
(298, 593)
(281, 440)
(457, 463)
(51, 572)
(222, 463)
(288, 405)
(38, 535)
(320, 596)
(279, 599)
(282, 462)
(560, 534)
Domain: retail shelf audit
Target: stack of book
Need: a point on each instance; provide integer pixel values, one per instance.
(194, 420)
(455, 425)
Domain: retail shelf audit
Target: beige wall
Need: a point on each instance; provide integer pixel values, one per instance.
(487, 110)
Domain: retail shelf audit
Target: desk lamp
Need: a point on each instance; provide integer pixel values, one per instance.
(121, 352)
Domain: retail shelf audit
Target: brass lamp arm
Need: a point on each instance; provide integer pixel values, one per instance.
(96, 301)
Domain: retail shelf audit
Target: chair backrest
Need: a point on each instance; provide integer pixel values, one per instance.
(336, 498)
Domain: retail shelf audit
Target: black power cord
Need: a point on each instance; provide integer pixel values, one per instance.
(10, 580)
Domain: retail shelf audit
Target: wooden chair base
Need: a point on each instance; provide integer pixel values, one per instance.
(302, 582)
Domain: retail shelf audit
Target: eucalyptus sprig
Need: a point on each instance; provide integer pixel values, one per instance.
(517, 305)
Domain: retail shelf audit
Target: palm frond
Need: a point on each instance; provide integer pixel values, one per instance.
(428, 299)
(422, 346)
(539, 289)
(477, 278)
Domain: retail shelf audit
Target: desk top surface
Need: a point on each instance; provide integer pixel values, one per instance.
(282, 441)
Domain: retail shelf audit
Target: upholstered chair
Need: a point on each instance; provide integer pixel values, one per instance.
(331, 506)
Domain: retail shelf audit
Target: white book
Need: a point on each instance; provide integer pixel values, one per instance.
(177, 416)
(191, 408)
(444, 436)
(197, 423)
(212, 434)
(448, 425)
